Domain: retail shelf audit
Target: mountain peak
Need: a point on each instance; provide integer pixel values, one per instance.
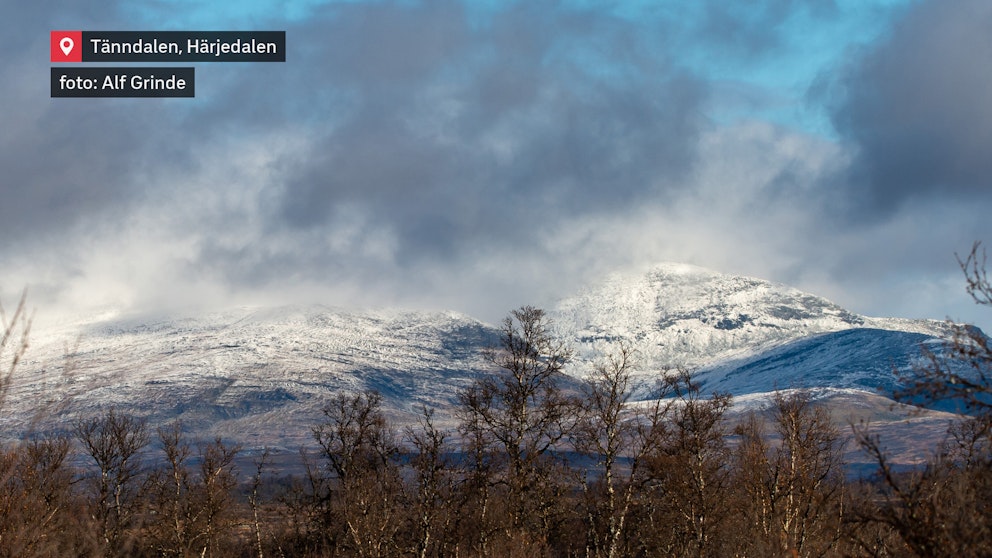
(681, 314)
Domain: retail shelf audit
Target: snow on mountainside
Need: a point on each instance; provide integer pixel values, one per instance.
(858, 358)
(258, 375)
(261, 376)
(682, 315)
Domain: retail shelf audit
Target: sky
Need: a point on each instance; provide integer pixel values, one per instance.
(479, 156)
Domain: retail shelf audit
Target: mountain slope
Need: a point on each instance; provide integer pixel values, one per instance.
(261, 376)
(858, 358)
(266, 371)
(681, 315)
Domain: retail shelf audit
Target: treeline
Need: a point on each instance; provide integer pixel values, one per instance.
(531, 470)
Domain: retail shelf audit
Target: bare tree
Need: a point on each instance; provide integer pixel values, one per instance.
(255, 500)
(172, 528)
(359, 448)
(809, 468)
(307, 503)
(192, 506)
(355, 437)
(216, 483)
(942, 508)
(792, 491)
(114, 442)
(39, 515)
(433, 500)
(917, 505)
(478, 519)
(690, 472)
(524, 414)
(619, 437)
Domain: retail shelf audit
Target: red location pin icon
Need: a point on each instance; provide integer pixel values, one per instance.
(67, 46)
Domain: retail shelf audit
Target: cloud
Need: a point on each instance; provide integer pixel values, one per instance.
(915, 110)
(400, 143)
(436, 154)
(480, 137)
(69, 163)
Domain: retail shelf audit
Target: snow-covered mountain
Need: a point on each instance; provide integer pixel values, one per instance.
(682, 315)
(260, 376)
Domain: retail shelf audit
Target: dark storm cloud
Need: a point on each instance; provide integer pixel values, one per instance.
(397, 136)
(76, 162)
(916, 109)
(65, 160)
(459, 136)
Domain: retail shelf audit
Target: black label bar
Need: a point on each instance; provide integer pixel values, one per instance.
(123, 82)
(184, 46)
